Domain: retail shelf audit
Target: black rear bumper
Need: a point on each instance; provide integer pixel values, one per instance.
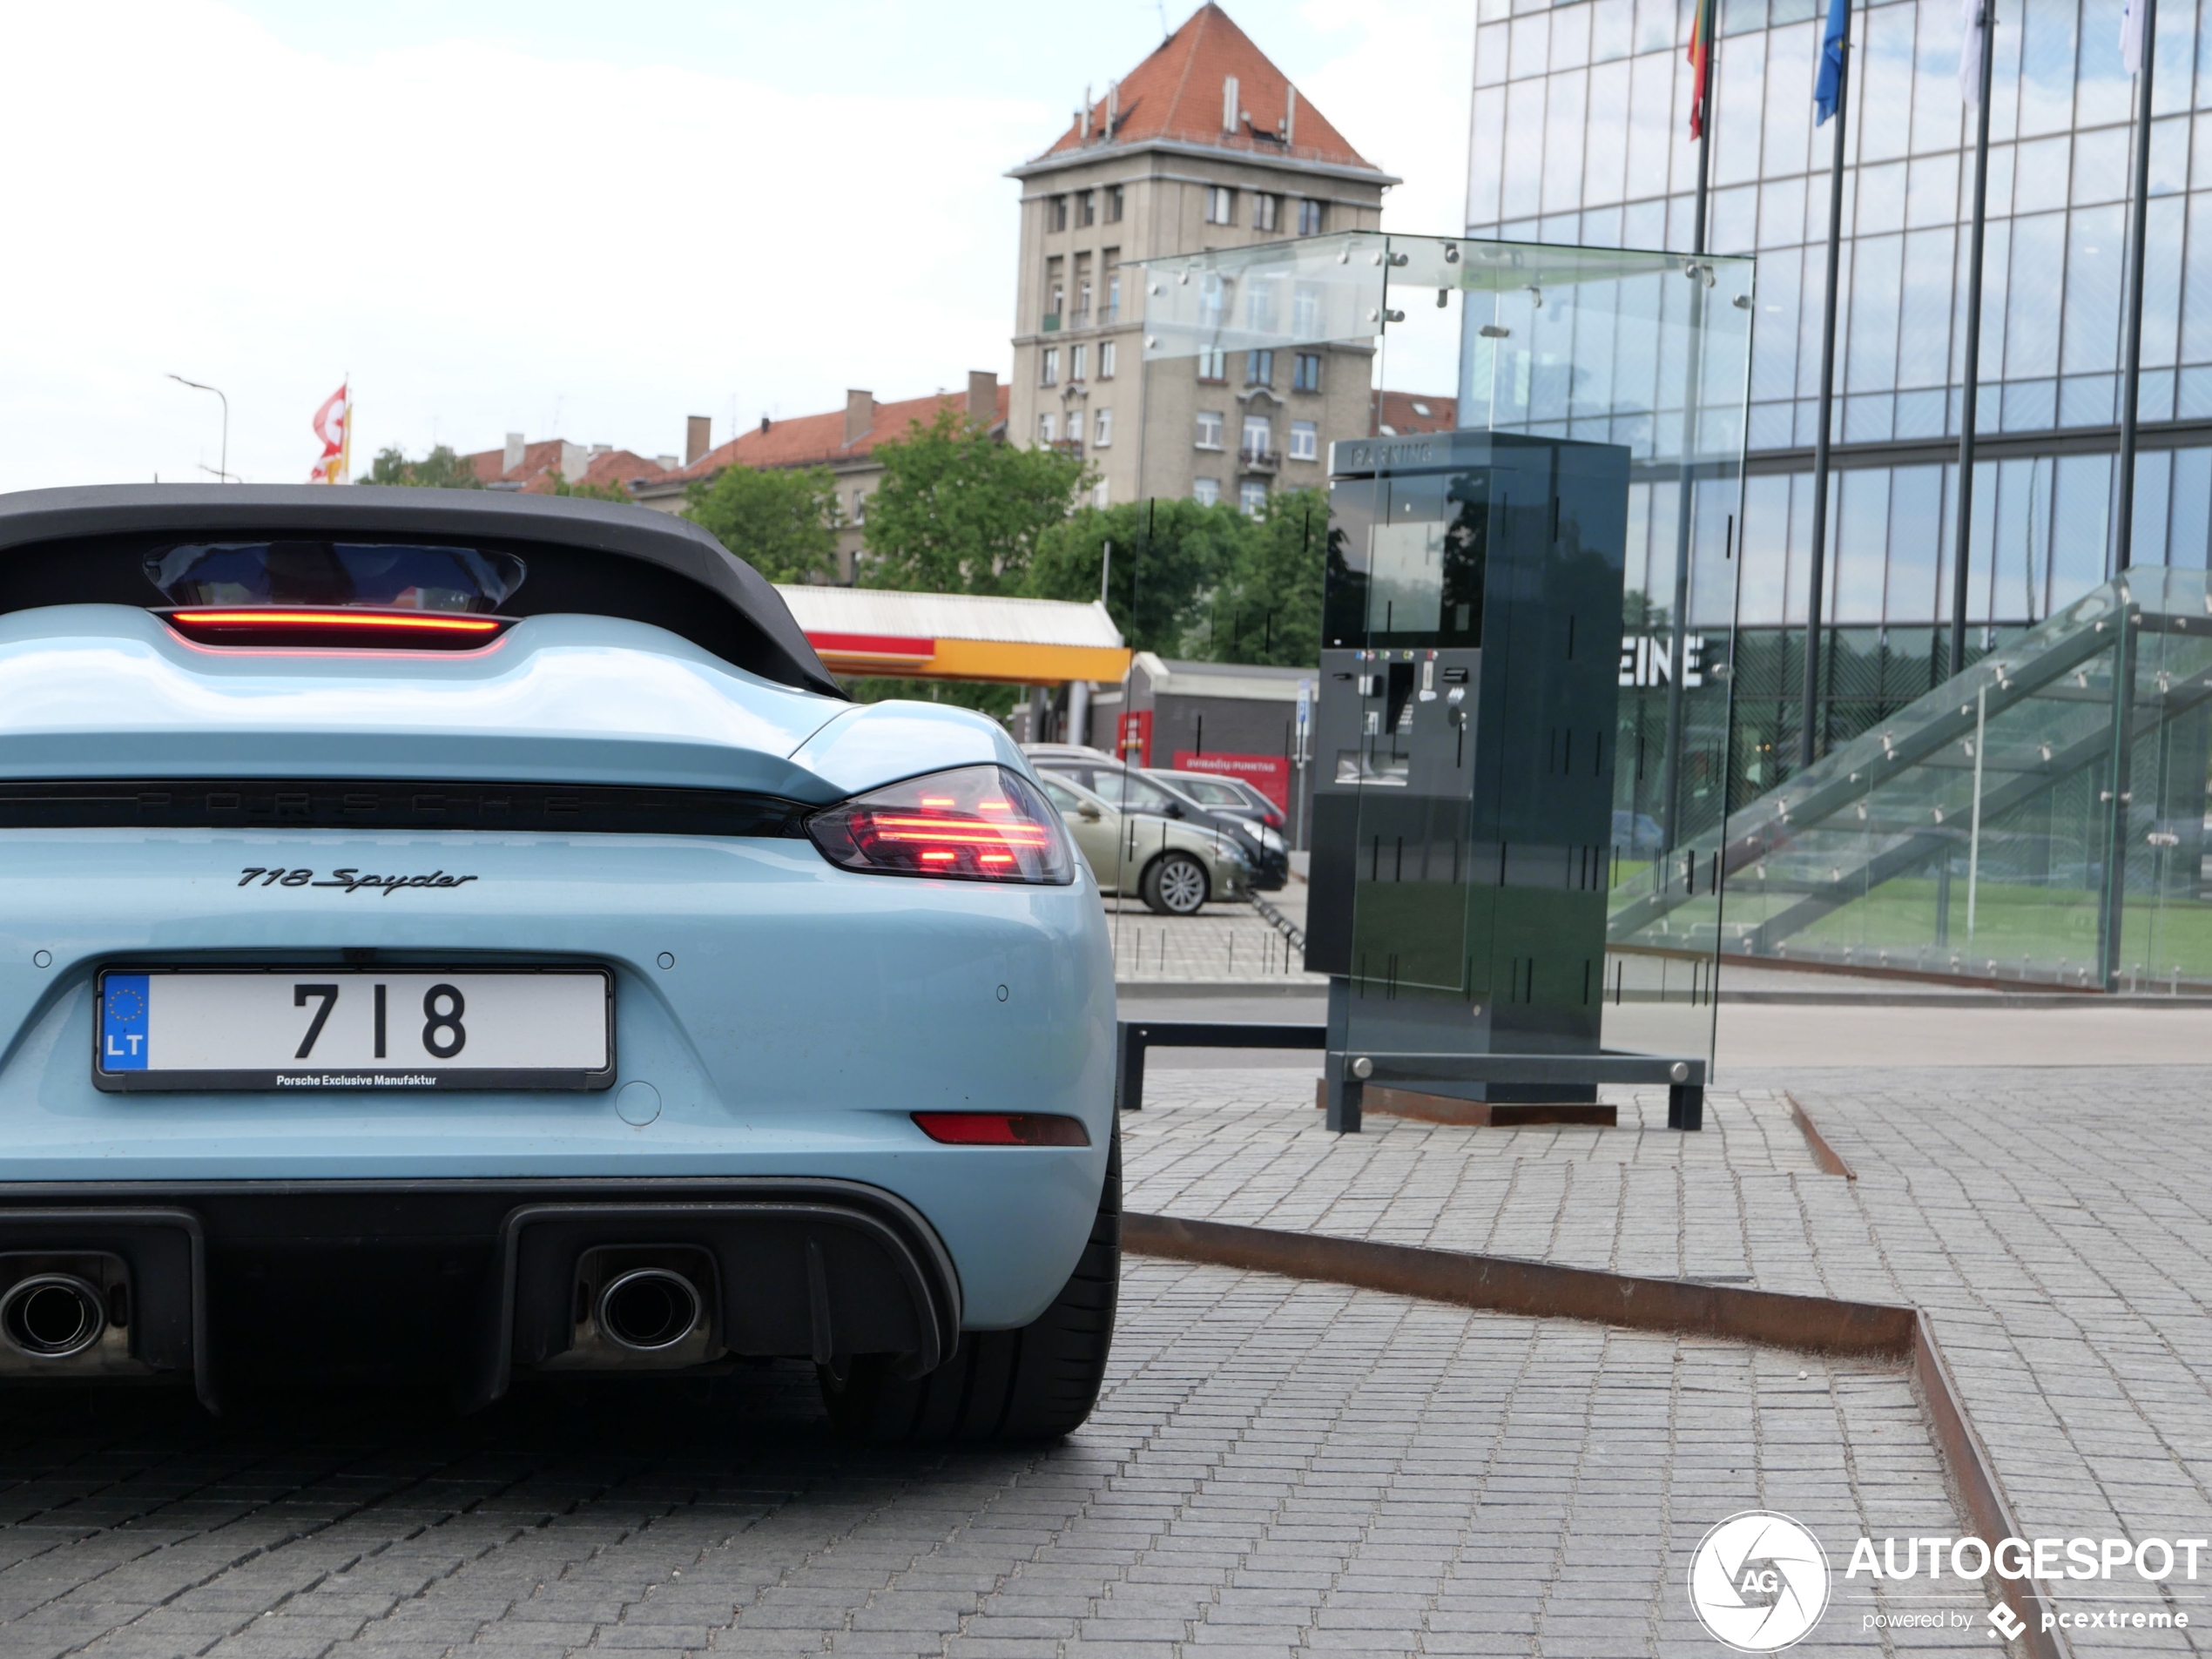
(471, 1282)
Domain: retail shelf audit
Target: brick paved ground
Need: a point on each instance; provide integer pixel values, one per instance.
(1225, 944)
(1276, 1468)
(2054, 1224)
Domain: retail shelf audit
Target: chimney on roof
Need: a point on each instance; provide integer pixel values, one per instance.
(574, 458)
(1085, 115)
(763, 424)
(982, 396)
(599, 449)
(511, 456)
(1229, 104)
(666, 463)
(698, 437)
(1290, 114)
(859, 415)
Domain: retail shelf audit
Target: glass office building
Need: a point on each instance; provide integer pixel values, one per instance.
(1579, 135)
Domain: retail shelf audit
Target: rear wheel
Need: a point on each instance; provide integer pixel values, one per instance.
(1035, 1383)
(1175, 885)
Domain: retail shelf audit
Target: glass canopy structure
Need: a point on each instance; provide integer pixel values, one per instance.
(1616, 382)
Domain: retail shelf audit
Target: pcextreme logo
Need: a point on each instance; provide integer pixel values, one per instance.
(1758, 1582)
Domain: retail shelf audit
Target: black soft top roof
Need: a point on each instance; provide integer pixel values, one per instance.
(75, 546)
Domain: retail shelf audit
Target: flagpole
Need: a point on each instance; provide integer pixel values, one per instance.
(2138, 215)
(1701, 113)
(1957, 661)
(1807, 747)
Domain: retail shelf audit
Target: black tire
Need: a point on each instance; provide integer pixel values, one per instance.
(1175, 885)
(1037, 1383)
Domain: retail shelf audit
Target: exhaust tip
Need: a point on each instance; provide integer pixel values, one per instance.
(649, 1309)
(51, 1316)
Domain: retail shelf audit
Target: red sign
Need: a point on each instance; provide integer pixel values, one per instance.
(1269, 774)
(1135, 741)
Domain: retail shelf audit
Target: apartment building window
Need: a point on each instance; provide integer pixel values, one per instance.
(1076, 356)
(1087, 208)
(1113, 204)
(1101, 429)
(1259, 437)
(1098, 495)
(1213, 363)
(1252, 497)
(1312, 216)
(1055, 292)
(1049, 375)
(1305, 372)
(860, 507)
(1305, 310)
(1110, 262)
(1306, 440)
(1082, 291)
(1074, 426)
(1048, 429)
(1259, 368)
(1205, 491)
(1056, 211)
(1221, 205)
(1259, 305)
(1266, 211)
(1209, 429)
(1213, 299)
(1106, 360)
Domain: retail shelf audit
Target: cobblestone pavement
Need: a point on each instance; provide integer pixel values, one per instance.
(1276, 1468)
(1225, 944)
(2054, 1224)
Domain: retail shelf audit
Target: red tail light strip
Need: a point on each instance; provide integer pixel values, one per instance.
(275, 619)
(1002, 1128)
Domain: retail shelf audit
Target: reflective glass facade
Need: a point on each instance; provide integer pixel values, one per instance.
(1579, 135)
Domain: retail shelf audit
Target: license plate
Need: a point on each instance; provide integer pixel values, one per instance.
(354, 1028)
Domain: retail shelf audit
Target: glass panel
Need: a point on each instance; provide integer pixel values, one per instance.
(1968, 833)
(1518, 717)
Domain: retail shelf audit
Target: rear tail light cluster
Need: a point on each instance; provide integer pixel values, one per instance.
(336, 625)
(975, 824)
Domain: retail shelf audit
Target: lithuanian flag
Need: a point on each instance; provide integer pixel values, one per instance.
(1701, 66)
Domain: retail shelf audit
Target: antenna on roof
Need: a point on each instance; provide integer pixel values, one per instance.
(1166, 33)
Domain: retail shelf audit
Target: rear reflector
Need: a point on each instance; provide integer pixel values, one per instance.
(297, 625)
(1002, 1128)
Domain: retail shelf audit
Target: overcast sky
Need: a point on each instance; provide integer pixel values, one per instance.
(571, 219)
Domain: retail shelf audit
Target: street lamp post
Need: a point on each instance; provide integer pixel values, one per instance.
(223, 456)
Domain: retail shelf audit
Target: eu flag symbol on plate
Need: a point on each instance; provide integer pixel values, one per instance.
(123, 1023)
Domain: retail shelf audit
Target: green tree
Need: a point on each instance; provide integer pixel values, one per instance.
(441, 469)
(588, 492)
(782, 522)
(1266, 606)
(958, 512)
(1167, 554)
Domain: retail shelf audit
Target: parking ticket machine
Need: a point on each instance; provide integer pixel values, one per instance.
(1463, 748)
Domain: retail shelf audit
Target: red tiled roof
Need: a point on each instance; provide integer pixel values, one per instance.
(1176, 93)
(542, 459)
(1397, 413)
(816, 440)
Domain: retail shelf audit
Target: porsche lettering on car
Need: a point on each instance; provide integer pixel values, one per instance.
(470, 937)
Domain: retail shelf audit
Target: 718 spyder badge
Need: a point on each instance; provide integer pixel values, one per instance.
(353, 880)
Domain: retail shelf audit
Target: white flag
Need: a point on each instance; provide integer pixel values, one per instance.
(2131, 37)
(1970, 55)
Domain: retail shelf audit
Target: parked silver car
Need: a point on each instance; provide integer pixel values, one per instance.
(1175, 868)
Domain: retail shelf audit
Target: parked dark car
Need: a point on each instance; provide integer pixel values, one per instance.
(1136, 791)
(1226, 795)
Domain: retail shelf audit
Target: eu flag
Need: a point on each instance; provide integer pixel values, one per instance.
(1826, 87)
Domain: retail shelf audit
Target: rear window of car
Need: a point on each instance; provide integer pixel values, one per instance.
(1067, 769)
(384, 575)
(1212, 794)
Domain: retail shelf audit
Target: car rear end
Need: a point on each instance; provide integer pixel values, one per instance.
(381, 996)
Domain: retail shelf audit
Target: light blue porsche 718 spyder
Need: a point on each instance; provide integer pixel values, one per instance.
(470, 937)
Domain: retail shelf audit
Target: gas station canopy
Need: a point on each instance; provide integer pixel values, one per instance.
(877, 631)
